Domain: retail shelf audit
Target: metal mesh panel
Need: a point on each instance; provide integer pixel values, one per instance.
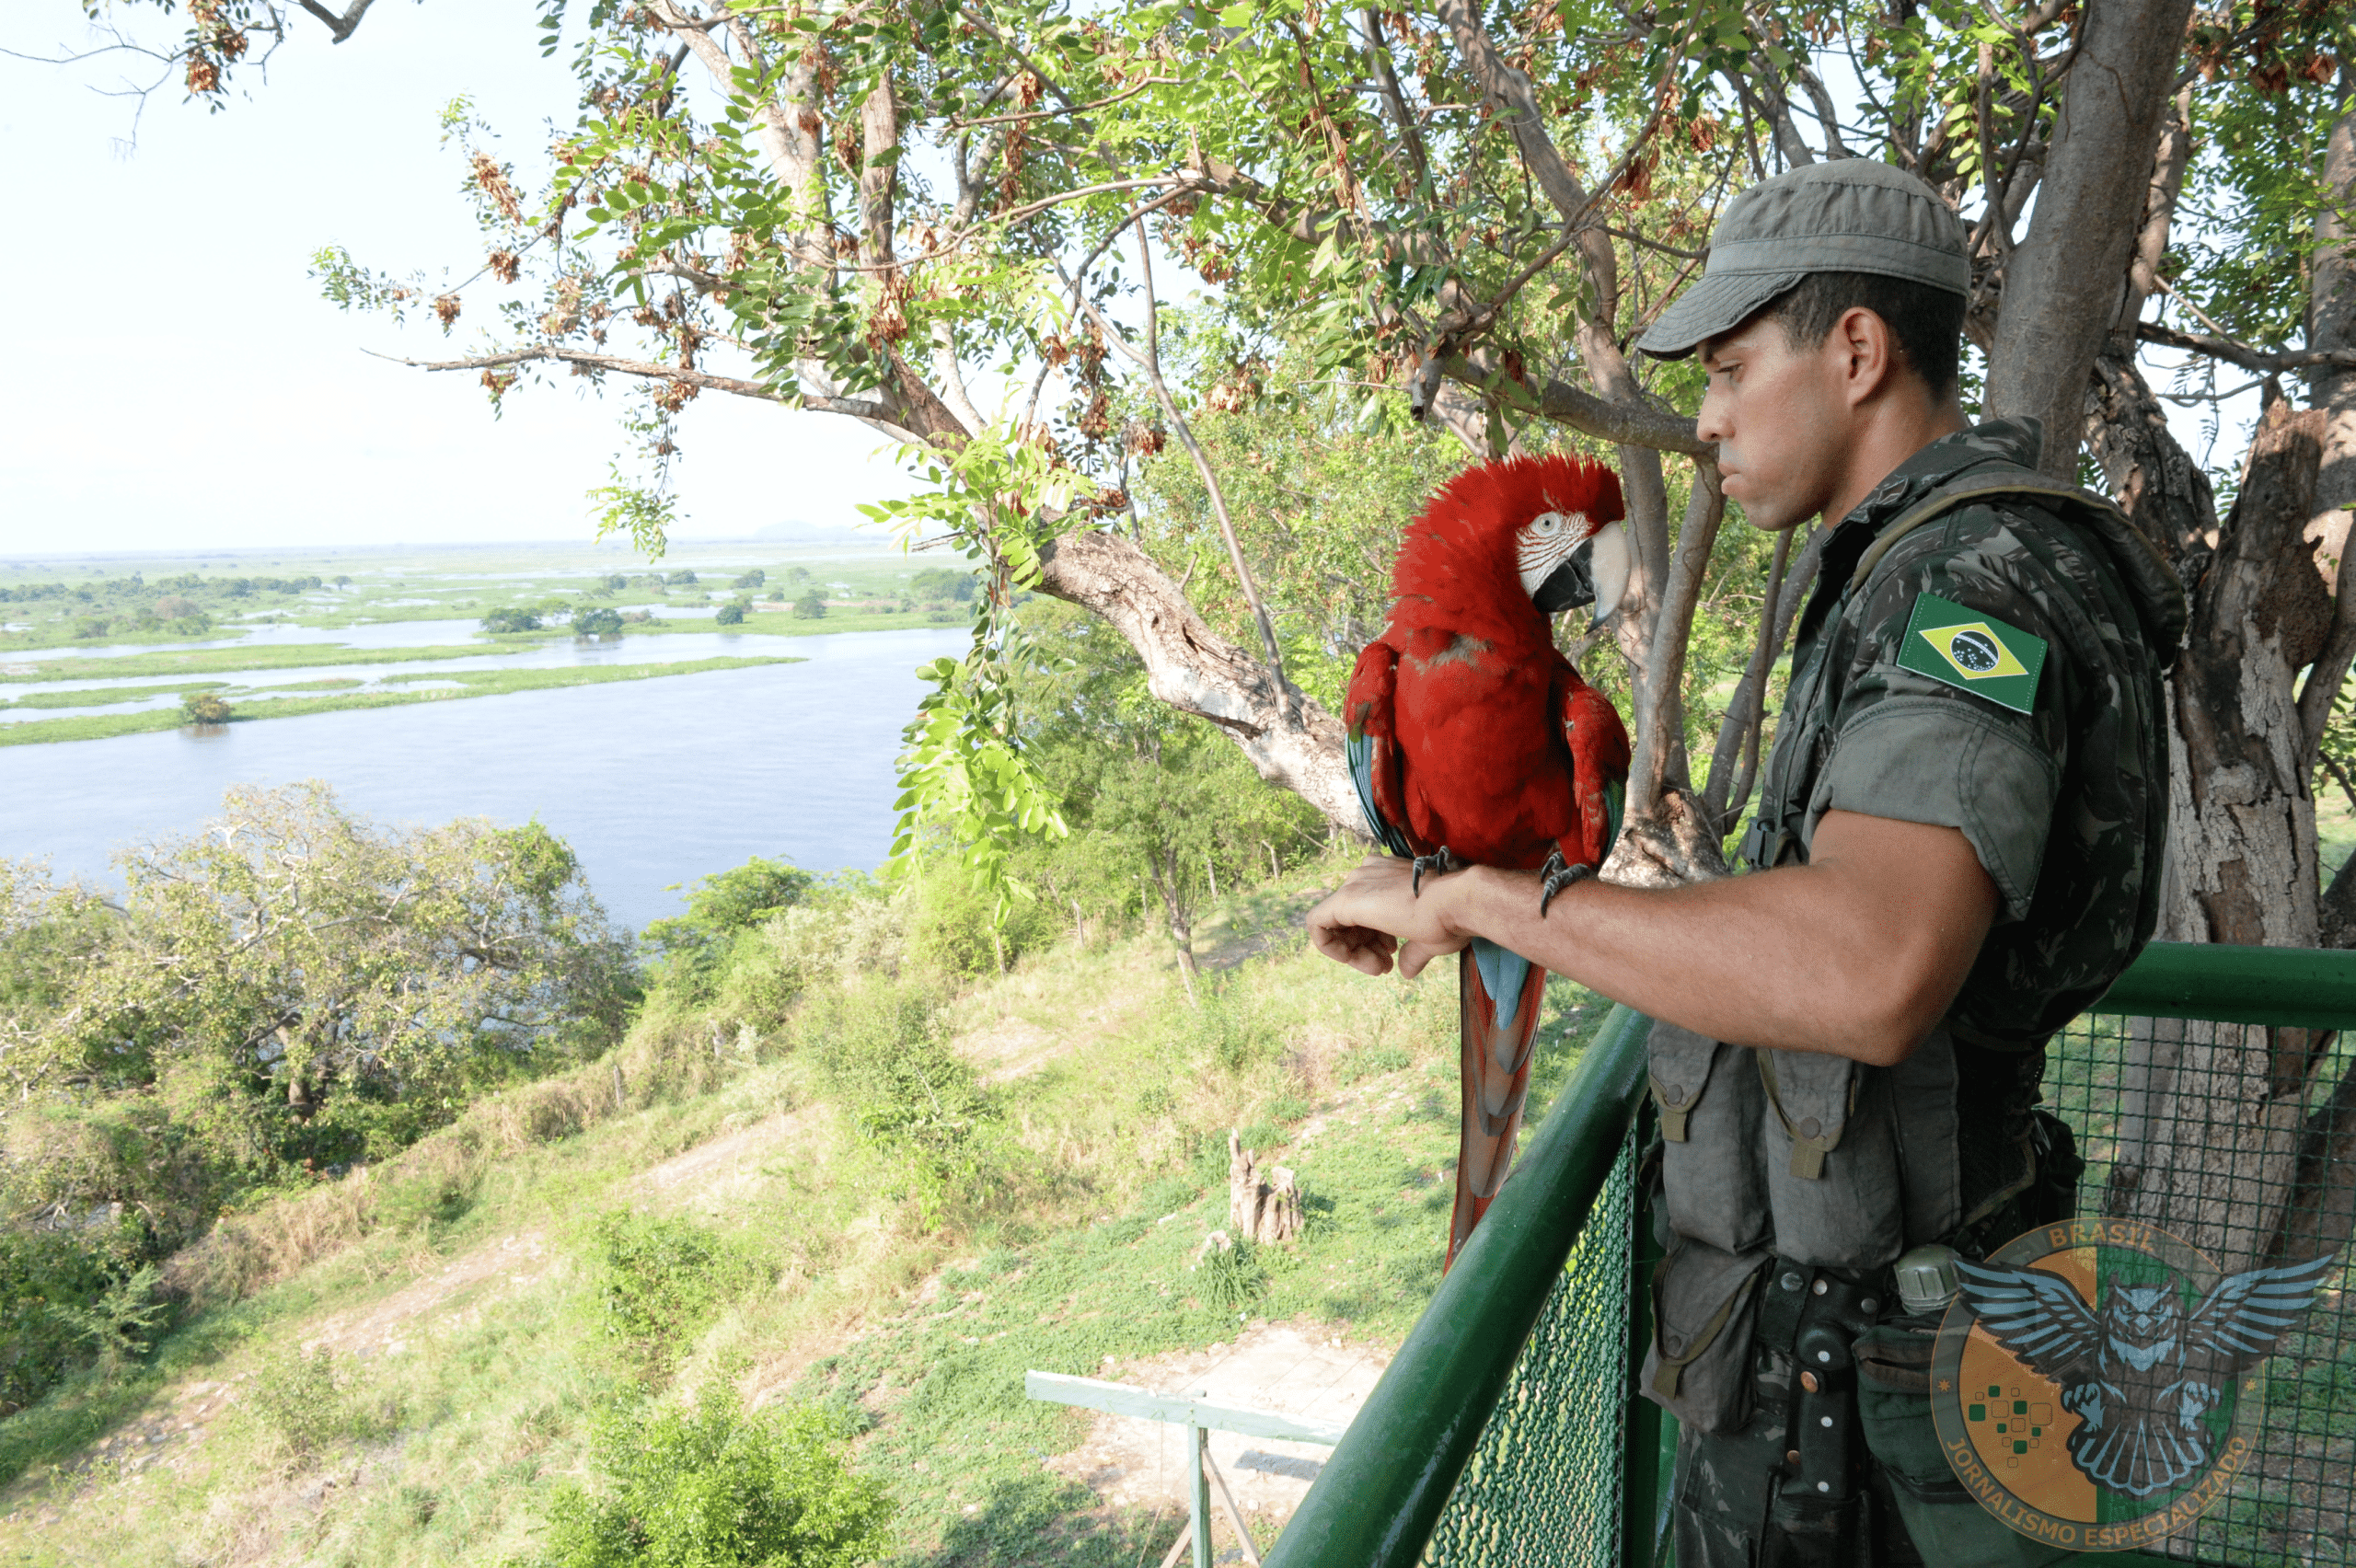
(2163, 1111)
(1544, 1485)
(2241, 1139)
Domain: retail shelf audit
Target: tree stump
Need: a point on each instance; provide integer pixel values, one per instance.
(1263, 1210)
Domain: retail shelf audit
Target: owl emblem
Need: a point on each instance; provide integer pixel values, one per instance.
(2139, 1371)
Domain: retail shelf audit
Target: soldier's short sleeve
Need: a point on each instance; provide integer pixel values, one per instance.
(1932, 729)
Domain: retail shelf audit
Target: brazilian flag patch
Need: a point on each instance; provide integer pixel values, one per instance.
(1975, 651)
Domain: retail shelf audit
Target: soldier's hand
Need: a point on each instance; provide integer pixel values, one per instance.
(1376, 918)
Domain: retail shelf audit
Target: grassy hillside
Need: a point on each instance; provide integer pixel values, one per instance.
(881, 1204)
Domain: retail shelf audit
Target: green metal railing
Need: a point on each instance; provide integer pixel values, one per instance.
(1505, 1430)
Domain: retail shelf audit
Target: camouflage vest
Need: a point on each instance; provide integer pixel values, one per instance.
(1821, 1160)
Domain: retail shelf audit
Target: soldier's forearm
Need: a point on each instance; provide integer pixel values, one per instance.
(1858, 954)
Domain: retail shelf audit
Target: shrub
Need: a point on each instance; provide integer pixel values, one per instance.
(730, 615)
(69, 1296)
(881, 1048)
(597, 623)
(1230, 1274)
(1227, 1029)
(851, 932)
(719, 908)
(753, 579)
(296, 1398)
(950, 931)
(205, 707)
(681, 580)
(511, 620)
(811, 606)
(659, 1280)
(718, 1487)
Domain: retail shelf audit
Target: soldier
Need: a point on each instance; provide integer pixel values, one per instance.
(1958, 848)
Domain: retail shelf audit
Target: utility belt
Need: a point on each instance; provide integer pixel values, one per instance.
(1788, 1184)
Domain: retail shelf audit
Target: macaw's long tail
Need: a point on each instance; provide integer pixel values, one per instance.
(1499, 994)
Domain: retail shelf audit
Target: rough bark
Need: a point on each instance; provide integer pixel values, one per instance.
(1262, 1201)
(2062, 291)
(2331, 325)
(2242, 813)
(2212, 1122)
(1671, 844)
(1659, 761)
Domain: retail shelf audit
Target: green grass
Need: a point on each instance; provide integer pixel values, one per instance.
(471, 683)
(107, 696)
(1111, 1100)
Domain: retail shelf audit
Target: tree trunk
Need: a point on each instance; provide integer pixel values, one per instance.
(1182, 924)
(2061, 291)
(2210, 1118)
(1262, 1201)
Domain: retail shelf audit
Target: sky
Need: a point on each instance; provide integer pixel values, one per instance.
(182, 384)
(179, 382)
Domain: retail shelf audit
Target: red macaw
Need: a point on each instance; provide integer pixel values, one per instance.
(1474, 742)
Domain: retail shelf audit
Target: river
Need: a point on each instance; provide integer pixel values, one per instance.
(651, 782)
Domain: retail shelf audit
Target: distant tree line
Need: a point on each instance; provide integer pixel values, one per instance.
(186, 582)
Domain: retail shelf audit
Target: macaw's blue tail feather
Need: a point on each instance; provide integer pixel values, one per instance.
(1498, 997)
(1357, 750)
(1501, 972)
(1615, 797)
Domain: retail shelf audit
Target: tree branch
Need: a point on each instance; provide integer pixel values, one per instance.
(1150, 363)
(341, 27)
(1660, 705)
(2259, 362)
(1739, 730)
(872, 412)
(1394, 101)
(1624, 424)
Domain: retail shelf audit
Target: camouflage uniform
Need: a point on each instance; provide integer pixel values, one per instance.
(1788, 1181)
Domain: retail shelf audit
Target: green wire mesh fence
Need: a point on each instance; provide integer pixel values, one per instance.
(2251, 1173)
(2231, 1122)
(1545, 1484)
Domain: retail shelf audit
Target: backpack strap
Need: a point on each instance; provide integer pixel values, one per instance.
(2162, 601)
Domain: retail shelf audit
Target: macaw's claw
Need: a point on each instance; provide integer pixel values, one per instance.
(1555, 876)
(1439, 862)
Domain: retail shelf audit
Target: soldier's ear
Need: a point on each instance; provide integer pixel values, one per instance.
(1867, 351)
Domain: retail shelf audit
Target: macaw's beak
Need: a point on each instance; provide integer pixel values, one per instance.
(1596, 574)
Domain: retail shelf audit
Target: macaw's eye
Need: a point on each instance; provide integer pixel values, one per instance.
(1547, 524)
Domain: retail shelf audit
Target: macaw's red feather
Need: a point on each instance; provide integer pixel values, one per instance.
(1456, 568)
(1494, 1072)
(1469, 730)
(1477, 707)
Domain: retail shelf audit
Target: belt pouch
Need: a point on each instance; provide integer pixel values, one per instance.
(1894, 1406)
(1710, 1107)
(1830, 1154)
(1922, 1093)
(1705, 1306)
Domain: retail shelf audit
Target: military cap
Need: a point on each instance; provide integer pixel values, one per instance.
(1850, 215)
